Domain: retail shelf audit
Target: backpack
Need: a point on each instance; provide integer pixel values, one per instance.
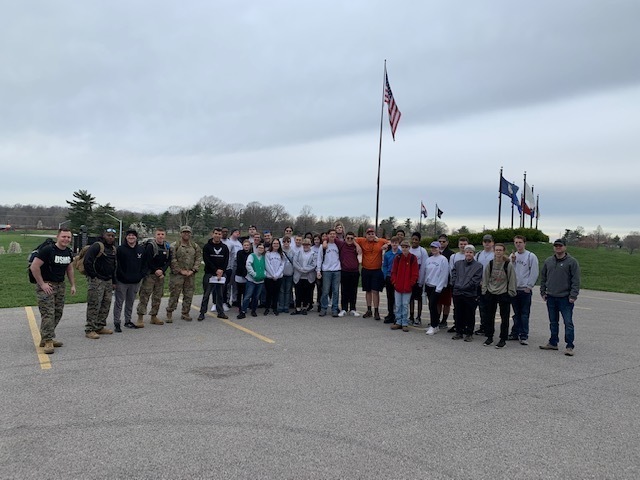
(34, 254)
(154, 245)
(78, 260)
(504, 265)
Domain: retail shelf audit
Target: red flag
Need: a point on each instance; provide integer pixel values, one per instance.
(394, 113)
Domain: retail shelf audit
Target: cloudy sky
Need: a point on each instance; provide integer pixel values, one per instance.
(152, 104)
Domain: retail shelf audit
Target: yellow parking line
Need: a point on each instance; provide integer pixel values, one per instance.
(240, 327)
(43, 358)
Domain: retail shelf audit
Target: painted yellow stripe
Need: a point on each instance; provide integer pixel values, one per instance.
(239, 327)
(43, 358)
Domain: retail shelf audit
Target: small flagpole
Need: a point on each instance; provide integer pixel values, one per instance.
(435, 221)
(380, 146)
(512, 215)
(531, 216)
(523, 200)
(537, 202)
(499, 197)
(420, 219)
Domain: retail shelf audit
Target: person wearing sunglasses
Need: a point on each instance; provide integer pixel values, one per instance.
(100, 263)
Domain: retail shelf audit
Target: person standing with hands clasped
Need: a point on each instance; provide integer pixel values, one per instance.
(559, 287)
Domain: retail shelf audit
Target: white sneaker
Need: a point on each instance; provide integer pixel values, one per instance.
(225, 307)
(432, 330)
(213, 307)
(342, 313)
(354, 313)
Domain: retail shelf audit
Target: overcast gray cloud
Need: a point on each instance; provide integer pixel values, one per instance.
(129, 90)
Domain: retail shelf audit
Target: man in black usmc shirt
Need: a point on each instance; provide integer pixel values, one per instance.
(49, 268)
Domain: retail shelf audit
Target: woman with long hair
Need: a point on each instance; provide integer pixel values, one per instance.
(274, 264)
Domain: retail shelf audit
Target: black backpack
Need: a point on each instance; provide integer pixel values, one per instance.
(34, 254)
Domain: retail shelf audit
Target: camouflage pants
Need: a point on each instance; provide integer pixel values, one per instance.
(181, 284)
(152, 286)
(98, 303)
(50, 307)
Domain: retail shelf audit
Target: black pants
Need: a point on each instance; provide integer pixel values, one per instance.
(484, 314)
(304, 293)
(465, 318)
(240, 292)
(211, 289)
(504, 301)
(273, 292)
(349, 288)
(433, 296)
(391, 297)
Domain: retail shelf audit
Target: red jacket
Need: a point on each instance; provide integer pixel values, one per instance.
(404, 273)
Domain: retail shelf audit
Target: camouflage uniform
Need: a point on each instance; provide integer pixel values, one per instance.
(101, 276)
(183, 257)
(50, 307)
(152, 286)
(98, 303)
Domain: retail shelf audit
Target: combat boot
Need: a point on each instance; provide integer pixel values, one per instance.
(48, 347)
(169, 320)
(140, 322)
(156, 321)
(56, 343)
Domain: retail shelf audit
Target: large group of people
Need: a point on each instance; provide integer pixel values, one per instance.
(278, 275)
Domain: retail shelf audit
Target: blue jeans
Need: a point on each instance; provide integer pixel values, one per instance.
(557, 306)
(251, 296)
(330, 281)
(285, 293)
(402, 308)
(521, 310)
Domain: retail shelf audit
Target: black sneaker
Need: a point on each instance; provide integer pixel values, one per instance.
(480, 331)
(275, 312)
(488, 341)
(513, 337)
(266, 312)
(468, 338)
(417, 322)
(457, 336)
(201, 317)
(452, 329)
(501, 344)
(368, 314)
(442, 325)
(241, 315)
(295, 312)
(117, 328)
(254, 313)
(130, 325)
(303, 311)
(223, 316)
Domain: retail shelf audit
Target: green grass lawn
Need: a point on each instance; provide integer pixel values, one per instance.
(602, 269)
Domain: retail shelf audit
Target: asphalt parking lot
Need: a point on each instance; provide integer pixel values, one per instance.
(294, 397)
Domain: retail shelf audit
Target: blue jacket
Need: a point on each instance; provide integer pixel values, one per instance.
(387, 261)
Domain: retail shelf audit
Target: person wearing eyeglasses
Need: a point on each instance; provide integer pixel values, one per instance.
(559, 287)
(100, 263)
(186, 257)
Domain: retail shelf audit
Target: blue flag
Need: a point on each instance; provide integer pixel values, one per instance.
(510, 190)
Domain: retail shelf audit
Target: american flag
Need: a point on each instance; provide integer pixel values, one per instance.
(394, 113)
